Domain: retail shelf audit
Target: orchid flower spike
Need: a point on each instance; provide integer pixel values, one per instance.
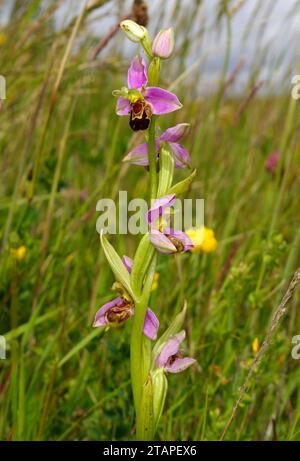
(121, 309)
(165, 239)
(139, 155)
(171, 357)
(140, 101)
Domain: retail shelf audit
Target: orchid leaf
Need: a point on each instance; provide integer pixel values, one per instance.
(116, 264)
(159, 388)
(166, 171)
(145, 420)
(142, 259)
(148, 281)
(182, 186)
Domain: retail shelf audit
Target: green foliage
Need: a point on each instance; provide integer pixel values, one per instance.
(61, 151)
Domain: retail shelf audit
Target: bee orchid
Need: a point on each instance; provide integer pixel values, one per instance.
(169, 241)
(140, 101)
(139, 155)
(121, 309)
(171, 357)
(166, 239)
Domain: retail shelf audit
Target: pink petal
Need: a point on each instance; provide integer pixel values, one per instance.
(181, 155)
(161, 242)
(162, 101)
(137, 73)
(139, 155)
(151, 325)
(170, 348)
(123, 106)
(100, 320)
(180, 364)
(128, 263)
(159, 205)
(175, 133)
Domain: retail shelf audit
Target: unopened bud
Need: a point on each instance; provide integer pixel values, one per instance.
(133, 31)
(163, 45)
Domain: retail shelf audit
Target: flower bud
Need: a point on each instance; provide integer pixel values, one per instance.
(163, 44)
(133, 31)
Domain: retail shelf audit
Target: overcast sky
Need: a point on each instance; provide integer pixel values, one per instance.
(279, 19)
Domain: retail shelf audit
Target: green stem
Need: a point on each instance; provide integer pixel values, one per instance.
(136, 351)
(140, 347)
(141, 357)
(152, 159)
(153, 80)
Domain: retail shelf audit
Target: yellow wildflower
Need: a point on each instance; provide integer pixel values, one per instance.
(2, 38)
(203, 239)
(155, 281)
(255, 345)
(18, 253)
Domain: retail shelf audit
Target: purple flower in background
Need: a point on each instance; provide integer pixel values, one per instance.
(121, 309)
(141, 101)
(165, 239)
(171, 357)
(139, 155)
(272, 162)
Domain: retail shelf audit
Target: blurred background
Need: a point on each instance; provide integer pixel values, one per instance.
(61, 147)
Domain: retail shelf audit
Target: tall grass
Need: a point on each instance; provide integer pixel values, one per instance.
(61, 151)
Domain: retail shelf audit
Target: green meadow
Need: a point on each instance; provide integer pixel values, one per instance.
(61, 150)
